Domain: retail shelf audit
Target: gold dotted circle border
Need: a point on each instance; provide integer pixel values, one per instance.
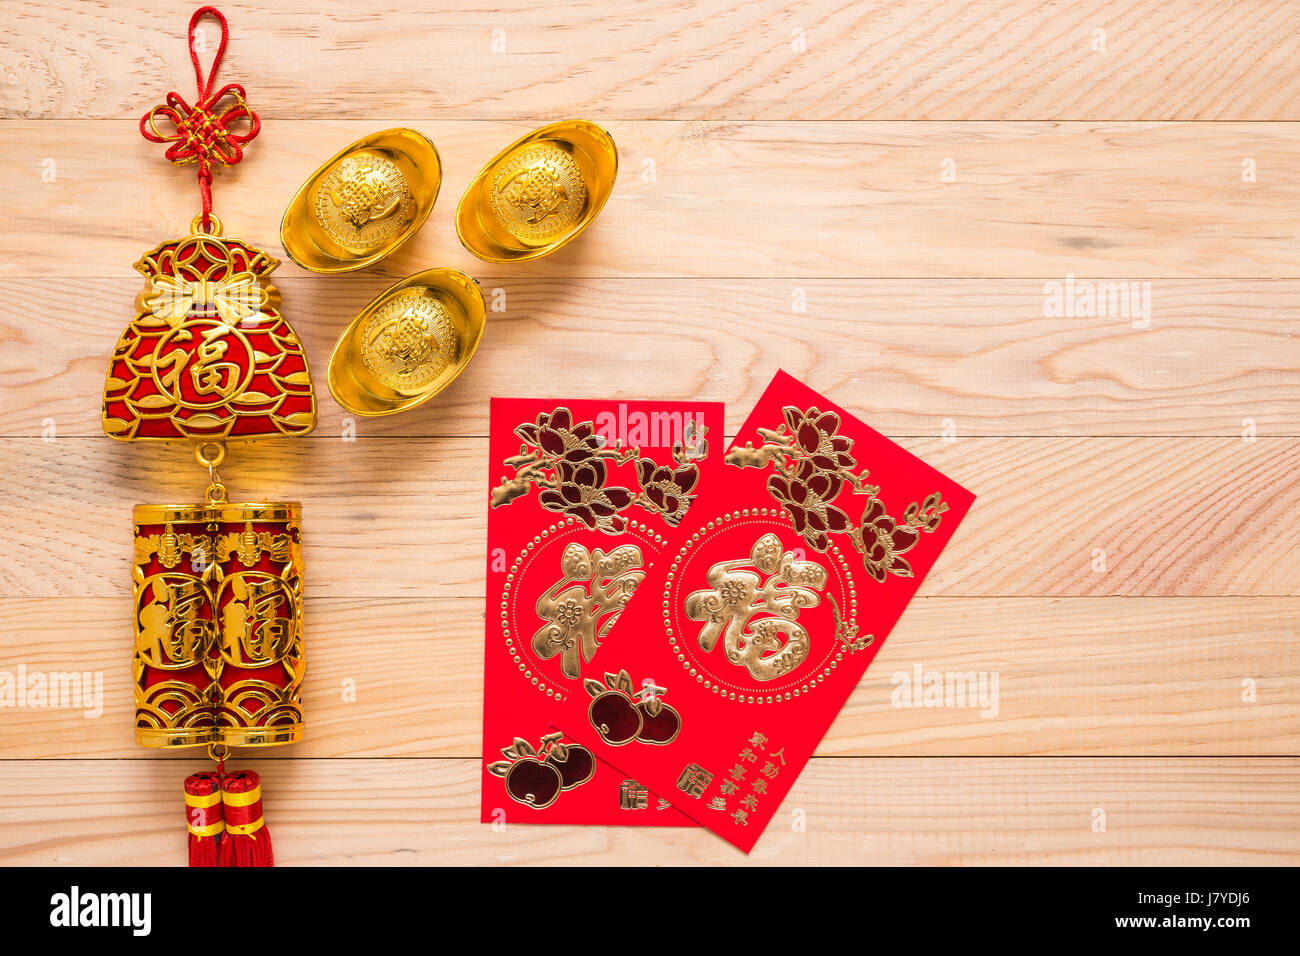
(713, 684)
(509, 627)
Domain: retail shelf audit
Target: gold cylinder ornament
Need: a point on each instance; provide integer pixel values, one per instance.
(218, 609)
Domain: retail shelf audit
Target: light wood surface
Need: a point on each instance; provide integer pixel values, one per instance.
(398, 517)
(751, 199)
(906, 810)
(903, 354)
(654, 59)
(1148, 676)
(1129, 571)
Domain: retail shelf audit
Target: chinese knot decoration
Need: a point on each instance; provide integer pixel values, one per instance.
(218, 597)
(205, 132)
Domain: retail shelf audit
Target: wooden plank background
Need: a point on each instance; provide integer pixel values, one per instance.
(1130, 569)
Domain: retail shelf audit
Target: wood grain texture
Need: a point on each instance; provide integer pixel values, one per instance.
(1075, 676)
(738, 199)
(405, 517)
(1129, 571)
(978, 811)
(664, 59)
(908, 357)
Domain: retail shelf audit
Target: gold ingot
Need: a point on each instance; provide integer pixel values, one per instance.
(539, 193)
(408, 344)
(363, 203)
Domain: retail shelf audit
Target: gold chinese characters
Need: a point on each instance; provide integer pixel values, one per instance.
(218, 624)
(773, 585)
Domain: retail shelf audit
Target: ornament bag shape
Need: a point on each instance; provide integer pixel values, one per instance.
(582, 498)
(208, 356)
(770, 599)
(218, 585)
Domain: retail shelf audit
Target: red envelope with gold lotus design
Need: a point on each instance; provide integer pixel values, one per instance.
(583, 496)
(774, 593)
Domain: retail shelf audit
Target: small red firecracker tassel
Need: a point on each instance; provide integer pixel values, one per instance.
(247, 841)
(203, 817)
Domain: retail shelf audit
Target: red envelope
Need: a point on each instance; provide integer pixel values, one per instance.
(772, 597)
(583, 496)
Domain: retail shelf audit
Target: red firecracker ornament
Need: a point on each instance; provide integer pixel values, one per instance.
(247, 841)
(203, 817)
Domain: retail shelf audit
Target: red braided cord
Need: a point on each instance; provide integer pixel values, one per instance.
(205, 86)
(204, 133)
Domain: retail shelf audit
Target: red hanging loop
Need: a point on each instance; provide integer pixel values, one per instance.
(205, 85)
(205, 133)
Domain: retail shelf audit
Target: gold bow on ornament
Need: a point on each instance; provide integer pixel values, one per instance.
(235, 297)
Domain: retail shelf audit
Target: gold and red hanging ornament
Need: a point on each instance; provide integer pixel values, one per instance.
(208, 358)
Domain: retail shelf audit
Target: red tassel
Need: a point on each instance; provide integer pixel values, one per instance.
(247, 841)
(203, 817)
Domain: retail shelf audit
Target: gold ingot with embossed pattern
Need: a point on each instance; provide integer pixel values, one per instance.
(408, 344)
(363, 203)
(539, 193)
